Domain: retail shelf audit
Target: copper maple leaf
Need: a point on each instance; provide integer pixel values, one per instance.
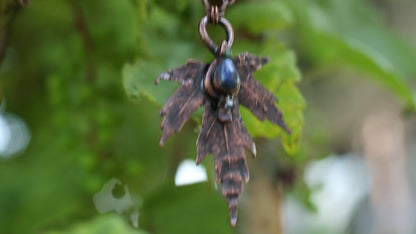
(225, 140)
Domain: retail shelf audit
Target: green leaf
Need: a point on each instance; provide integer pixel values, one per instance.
(292, 106)
(139, 81)
(260, 16)
(193, 208)
(280, 76)
(115, 23)
(164, 21)
(106, 224)
(350, 32)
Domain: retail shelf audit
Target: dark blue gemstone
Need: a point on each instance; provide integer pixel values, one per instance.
(226, 77)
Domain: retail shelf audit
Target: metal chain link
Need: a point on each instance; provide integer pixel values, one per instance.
(215, 12)
(215, 15)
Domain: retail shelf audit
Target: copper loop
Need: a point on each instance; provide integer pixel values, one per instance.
(205, 37)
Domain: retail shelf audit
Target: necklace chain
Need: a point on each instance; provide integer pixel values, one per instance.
(216, 12)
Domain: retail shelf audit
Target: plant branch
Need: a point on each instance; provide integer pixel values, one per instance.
(9, 13)
(82, 28)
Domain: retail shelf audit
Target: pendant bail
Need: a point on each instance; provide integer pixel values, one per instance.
(211, 44)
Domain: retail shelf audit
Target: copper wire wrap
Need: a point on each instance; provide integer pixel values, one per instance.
(215, 12)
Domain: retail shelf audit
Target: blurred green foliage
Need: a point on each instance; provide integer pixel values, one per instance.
(106, 224)
(337, 32)
(69, 65)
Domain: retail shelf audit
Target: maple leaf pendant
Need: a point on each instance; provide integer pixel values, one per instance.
(220, 87)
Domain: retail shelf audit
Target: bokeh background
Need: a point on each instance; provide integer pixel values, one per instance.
(79, 118)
